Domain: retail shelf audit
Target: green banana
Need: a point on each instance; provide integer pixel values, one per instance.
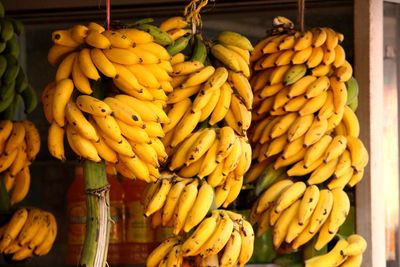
(179, 45)
(294, 73)
(309, 251)
(1, 10)
(12, 46)
(7, 30)
(3, 65)
(21, 82)
(141, 21)
(11, 110)
(18, 26)
(12, 69)
(200, 50)
(2, 46)
(268, 177)
(6, 91)
(161, 37)
(6, 102)
(354, 104)
(352, 90)
(30, 99)
(236, 39)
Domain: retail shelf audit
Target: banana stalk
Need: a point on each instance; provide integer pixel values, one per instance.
(95, 247)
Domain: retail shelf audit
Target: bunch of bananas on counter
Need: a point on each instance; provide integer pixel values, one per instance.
(345, 253)
(304, 135)
(124, 128)
(180, 203)
(224, 238)
(29, 232)
(298, 212)
(19, 145)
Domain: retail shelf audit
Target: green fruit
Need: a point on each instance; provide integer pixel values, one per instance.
(179, 45)
(295, 73)
(12, 109)
(30, 99)
(309, 251)
(12, 69)
(12, 46)
(354, 104)
(352, 90)
(161, 37)
(21, 82)
(236, 39)
(18, 26)
(6, 90)
(3, 65)
(6, 102)
(2, 46)
(200, 50)
(268, 177)
(141, 21)
(7, 30)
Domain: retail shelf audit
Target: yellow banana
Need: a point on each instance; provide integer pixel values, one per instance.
(187, 124)
(102, 63)
(82, 146)
(281, 226)
(317, 150)
(97, 40)
(316, 57)
(13, 227)
(118, 39)
(323, 172)
(64, 38)
(32, 138)
(185, 204)
(55, 141)
(315, 132)
(350, 121)
(332, 258)
(136, 166)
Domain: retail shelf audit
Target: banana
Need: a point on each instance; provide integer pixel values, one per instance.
(323, 172)
(350, 122)
(221, 194)
(327, 110)
(179, 44)
(199, 237)
(121, 56)
(19, 163)
(105, 151)
(276, 146)
(159, 197)
(340, 56)
(47, 101)
(200, 207)
(179, 157)
(209, 108)
(267, 61)
(270, 90)
(109, 127)
(332, 258)
(281, 227)
(324, 236)
(55, 141)
(339, 94)
(146, 153)
(288, 42)
(357, 245)
(317, 150)
(302, 56)
(57, 53)
(304, 41)
(322, 210)
(316, 57)
(201, 146)
(340, 209)
(232, 249)
(356, 178)
(209, 164)
(123, 112)
(341, 181)
(102, 63)
(185, 204)
(285, 58)
(75, 117)
(136, 166)
(175, 257)
(97, 40)
(247, 247)
(294, 73)
(176, 113)
(308, 204)
(135, 134)
(245, 159)
(352, 90)
(241, 84)
(335, 119)
(160, 36)
(293, 147)
(95, 27)
(13, 227)
(263, 223)
(319, 86)
(31, 227)
(295, 104)
(315, 132)
(219, 238)
(64, 70)
(156, 49)
(143, 110)
(159, 253)
(226, 56)
(187, 67)
(344, 72)
(62, 94)
(272, 46)
(118, 39)
(278, 74)
(47, 244)
(232, 160)
(299, 168)
(32, 138)
(245, 54)
(79, 33)
(178, 58)
(200, 77)
(126, 81)
(187, 124)
(180, 94)
(281, 162)
(344, 163)
(353, 261)
(64, 38)
(314, 104)
(268, 197)
(290, 195)
(137, 36)
(357, 150)
(82, 146)
(332, 39)
(234, 39)
(22, 254)
(319, 37)
(336, 148)
(159, 72)
(295, 229)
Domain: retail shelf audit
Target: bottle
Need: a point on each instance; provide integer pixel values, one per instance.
(76, 209)
(139, 235)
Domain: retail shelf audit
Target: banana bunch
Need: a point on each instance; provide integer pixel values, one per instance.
(345, 253)
(297, 212)
(29, 232)
(179, 31)
(19, 145)
(180, 203)
(224, 238)
(15, 87)
(121, 129)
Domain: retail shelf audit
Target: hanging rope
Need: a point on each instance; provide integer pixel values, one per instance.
(300, 14)
(192, 12)
(108, 14)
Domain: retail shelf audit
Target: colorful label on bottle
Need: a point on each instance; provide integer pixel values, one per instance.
(138, 227)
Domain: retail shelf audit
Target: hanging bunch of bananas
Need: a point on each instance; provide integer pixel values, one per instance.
(298, 212)
(124, 128)
(345, 253)
(19, 145)
(224, 238)
(15, 87)
(29, 232)
(180, 203)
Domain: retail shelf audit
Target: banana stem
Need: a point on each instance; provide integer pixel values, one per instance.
(95, 247)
